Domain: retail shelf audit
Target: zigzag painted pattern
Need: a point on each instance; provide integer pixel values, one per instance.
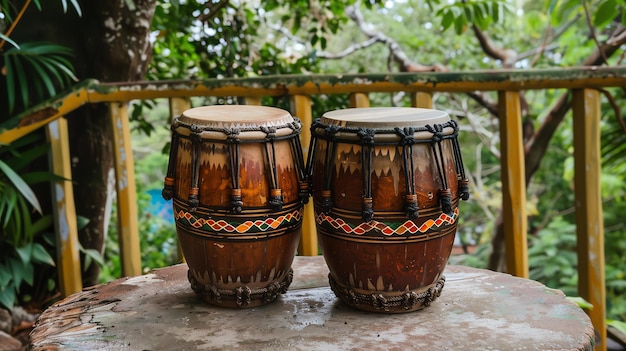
(221, 225)
(407, 226)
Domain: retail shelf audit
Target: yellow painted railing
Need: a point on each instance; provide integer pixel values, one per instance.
(583, 82)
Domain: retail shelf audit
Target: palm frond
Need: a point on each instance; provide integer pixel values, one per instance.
(39, 66)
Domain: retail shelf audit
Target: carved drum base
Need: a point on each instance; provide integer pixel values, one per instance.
(240, 297)
(390, 302)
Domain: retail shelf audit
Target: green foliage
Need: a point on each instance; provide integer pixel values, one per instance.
(462, 14)
(17, 199)
(42, 66)
(157, 241)
(23, 234)
(619, 325)
(552, 256)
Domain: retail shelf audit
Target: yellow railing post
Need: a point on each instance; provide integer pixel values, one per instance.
(65, 220)
(588, 204)
(253, 100)
(359, 100)
(178, 105)
(301, 105)
(513, 183)
(422, 99)
(128, 228)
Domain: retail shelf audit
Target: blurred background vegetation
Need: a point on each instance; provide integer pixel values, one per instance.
(214, 39)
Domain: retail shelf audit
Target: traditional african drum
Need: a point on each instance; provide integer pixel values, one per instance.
(236, 176)
(386, 184)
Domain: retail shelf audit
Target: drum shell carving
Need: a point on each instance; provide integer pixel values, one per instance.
(238, 255)
(386, 264)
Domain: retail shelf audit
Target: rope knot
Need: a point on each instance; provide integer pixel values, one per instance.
(437, 131)
(366, 135)
(232, 135)
(407, 135)
(331, 130)
(270, 132)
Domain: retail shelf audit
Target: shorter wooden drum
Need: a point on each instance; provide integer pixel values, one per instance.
(238, 185)
(386, 187)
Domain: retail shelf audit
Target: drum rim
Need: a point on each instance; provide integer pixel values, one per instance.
(282, 126)
(378, 117)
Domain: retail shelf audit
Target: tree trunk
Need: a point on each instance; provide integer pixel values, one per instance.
(110, 43)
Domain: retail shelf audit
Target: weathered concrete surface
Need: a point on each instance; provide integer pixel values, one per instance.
(477, 310)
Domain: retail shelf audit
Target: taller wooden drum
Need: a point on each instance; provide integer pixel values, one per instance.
(238, 185)
(386, 187)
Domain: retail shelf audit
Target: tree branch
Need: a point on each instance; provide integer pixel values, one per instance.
(214, 9)
(592, 30)
(349, 50)
(396, 53)
(507, 56)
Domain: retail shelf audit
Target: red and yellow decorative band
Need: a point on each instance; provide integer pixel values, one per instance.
(389, 229)
(249, 226)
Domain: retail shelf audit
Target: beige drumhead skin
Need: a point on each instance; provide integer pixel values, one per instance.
(247, 119)
(235, 115)
(385, 117)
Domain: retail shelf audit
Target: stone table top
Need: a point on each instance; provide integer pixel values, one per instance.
(477, 310)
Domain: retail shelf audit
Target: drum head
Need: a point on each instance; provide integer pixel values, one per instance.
(223, 116)
(250, 122)
(384, 117)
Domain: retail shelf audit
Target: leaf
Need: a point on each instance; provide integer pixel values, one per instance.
(43, 75)
(619, 325)
(40, 225)
(41, 177)
(9, 40)
(40, 255)
(77, 7)
(10, 198)
(24, 253)
(447, 19)
(17, 271)
(21, 78)
(460, 25)
(7, 296)
(25, 220)
(21, 186)
(92, 254)
(8, 65)
(28, 274)
(5, 277)
(582, 303)
(605, 13)
(29, 156)
(81, 222)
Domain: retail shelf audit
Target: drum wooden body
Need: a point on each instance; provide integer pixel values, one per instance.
(386, 187)
(238, 186)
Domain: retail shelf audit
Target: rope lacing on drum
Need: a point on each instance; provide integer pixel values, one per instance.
(445, 194)
(168, 183)
(366, 137)
(196, 150)
(276, 195)
(309, 158)
(410, 199)
(327, 201)
(460, 170)
(232, 140)
(296, 151)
